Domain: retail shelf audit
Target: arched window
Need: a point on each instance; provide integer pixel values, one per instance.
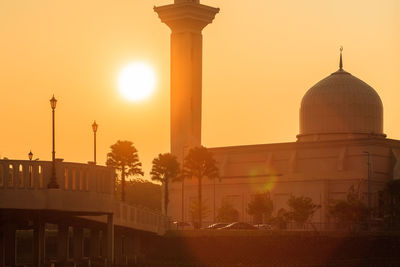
(73, 179)
(133, 214)
(21, 175)
(103, 182)
(10, 182)
(66, 179)
(31, 179)
(86, 180)
(98, 179)
(124, 212)
(1, 175)
(117, 211)
(40, 171)
(80, 180)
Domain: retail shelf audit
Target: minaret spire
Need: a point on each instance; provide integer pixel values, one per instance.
(341, 60)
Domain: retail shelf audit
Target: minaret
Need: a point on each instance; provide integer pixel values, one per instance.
(186, 19)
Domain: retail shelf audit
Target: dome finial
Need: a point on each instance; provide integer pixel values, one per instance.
(341, 61)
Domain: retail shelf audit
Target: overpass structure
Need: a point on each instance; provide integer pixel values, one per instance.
(79, 222)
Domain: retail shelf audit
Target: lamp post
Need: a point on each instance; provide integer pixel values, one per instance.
(30, 169)
(94, 127)
(53, 180)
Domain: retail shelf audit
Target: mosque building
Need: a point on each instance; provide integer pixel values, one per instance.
(341, 143)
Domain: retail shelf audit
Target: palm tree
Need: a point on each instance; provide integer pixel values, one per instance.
(165, 169)
(199, 163)
(124, 158)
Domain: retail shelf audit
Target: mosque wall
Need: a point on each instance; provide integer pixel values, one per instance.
(319, 170)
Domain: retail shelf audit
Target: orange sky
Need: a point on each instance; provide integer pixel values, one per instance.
(260, 57)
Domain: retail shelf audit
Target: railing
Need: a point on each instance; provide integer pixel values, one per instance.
(35, 175)
(82, 187)
(140, 218)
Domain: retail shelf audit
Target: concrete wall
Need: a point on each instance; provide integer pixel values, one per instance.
(319, 170)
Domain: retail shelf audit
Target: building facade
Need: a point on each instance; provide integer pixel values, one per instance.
(341, 143)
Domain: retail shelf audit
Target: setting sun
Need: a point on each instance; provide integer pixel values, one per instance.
(136, 81)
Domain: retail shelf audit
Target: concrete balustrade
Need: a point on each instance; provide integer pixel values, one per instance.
(83, 188)
(140, 218)
(25, 174)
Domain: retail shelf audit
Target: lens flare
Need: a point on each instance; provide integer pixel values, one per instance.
(269, 178)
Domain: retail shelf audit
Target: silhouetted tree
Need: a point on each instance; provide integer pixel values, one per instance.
(301, 209)
(124, 158)
(165, 170)
(227, 213)
(350, 211)
(281, 219)
(199, 163)
(260, 207)
(142, 192)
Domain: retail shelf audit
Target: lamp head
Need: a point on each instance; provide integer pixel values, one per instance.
(30, 155)
(53, 102)
(94, 126)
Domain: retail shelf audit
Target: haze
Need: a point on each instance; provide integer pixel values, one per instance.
(259, 59)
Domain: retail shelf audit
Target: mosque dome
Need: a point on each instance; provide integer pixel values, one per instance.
(341, 106)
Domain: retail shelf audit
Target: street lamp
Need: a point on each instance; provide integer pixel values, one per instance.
(30, 155)
(94, 127)
(53, 179)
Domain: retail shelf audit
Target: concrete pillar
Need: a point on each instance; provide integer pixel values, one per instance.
(124, 241)
(62, 245)
(78, 243)
(110, 239)
(94, 243)
(103, 243)
(128, 249)
(132, 245)
(186, 21)
(2, 247)
(118, 253)
(9, 245)
(137, 245)
(38, 243)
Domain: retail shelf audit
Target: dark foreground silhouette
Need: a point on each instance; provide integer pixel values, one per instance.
(275, 249)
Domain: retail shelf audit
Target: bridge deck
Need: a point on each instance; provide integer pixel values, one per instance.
(84, 189)
(84, 200)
